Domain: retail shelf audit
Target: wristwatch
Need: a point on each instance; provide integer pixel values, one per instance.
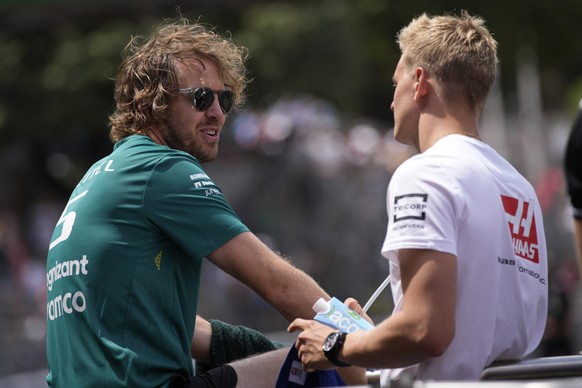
(332, 346)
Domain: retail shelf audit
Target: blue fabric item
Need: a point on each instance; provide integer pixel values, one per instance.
(292, 375)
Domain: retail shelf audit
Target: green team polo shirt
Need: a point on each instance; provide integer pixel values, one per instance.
(123, 267)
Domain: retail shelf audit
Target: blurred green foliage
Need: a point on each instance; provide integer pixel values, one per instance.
(57, 59)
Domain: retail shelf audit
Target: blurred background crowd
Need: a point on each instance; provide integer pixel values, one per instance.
(305, 164)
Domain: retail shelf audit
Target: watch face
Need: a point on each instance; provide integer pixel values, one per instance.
(330, 341)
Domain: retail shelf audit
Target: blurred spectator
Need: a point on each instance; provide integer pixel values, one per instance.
(573, 172)
(13, 249)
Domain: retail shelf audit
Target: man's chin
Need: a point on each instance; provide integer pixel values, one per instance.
(205, 158)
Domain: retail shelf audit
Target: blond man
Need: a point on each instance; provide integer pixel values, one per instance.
(465, 239)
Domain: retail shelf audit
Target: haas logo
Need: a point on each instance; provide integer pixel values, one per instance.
(522, 225)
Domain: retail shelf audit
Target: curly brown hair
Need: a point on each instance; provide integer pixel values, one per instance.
(148, 73)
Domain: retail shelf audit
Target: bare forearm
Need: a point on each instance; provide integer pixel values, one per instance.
(288, 289)
(295, 292)
(424, 327)
(392, 344)
(396, 342)
(201, 340)
(249, 376)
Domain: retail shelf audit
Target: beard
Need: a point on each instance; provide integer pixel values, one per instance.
(195, 146)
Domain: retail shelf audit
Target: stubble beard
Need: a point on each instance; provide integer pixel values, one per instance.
(203, 152)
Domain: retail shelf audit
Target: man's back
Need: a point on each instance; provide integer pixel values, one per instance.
(481, 210)
(129, 248)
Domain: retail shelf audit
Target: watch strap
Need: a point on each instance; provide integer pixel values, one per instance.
(333, 353)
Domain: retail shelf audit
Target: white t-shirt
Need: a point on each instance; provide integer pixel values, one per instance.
(461, 197)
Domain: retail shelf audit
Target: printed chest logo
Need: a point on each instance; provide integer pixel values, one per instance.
(410, 207)
(522, 225)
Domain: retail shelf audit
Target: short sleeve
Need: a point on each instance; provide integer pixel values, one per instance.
(422, 210)
(189, 207)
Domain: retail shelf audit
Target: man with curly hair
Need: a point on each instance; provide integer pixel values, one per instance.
(124, 262)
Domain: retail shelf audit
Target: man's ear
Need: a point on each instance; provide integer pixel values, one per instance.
(421, 86)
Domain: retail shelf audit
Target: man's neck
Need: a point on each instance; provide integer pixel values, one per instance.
(432, 129)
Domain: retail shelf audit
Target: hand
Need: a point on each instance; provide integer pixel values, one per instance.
(309, 344)
(354, 305)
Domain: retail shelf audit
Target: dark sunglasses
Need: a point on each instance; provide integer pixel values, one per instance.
(202, 98)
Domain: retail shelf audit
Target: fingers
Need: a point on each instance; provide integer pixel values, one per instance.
(354, 305)
(303, 324)
(308, 343)
(306, 356)
(297, 324)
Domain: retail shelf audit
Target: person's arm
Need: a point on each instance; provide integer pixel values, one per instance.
(257, 371)
(424, 328)
(201, 341)
(288, 289)
(221, 343)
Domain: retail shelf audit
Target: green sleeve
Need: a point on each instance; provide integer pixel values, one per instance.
(189, 207)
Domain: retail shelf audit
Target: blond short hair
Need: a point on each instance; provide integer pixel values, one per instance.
(148, 74)
(458, 51)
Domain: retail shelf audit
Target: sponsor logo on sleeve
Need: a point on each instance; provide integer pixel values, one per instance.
(410, 207)
(203, 181)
